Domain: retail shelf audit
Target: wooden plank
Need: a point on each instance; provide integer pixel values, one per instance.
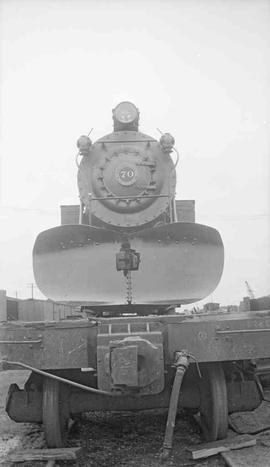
(251, 422)
(249, 457)
(28, 455)
(215, 447)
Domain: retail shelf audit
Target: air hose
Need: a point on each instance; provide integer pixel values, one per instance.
(181, 363)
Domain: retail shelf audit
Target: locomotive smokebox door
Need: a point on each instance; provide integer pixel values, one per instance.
(131, 363)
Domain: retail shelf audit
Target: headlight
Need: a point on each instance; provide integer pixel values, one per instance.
(125, 113)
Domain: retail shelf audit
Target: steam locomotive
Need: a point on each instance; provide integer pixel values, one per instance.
(129, 258)
(128, 224)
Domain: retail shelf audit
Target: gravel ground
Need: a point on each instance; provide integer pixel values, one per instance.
(109, 439)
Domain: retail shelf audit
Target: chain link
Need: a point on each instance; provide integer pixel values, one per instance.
(129, 287)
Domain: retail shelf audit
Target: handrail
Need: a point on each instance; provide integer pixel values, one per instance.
(126, 197)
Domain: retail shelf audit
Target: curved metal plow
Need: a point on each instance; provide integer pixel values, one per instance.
(180, 263)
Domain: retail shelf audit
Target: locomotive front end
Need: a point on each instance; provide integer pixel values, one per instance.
(129, 259)
(128, 248)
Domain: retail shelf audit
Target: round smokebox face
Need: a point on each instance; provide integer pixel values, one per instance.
(126, 175)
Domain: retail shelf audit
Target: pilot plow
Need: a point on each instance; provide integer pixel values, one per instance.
(171, 264)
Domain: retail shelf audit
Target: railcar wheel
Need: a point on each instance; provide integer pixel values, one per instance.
(54, 414)
(214, 404)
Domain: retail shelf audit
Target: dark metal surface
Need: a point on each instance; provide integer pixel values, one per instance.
(70, 344)
(26, 406)
(204, 337)
(73, 344)
(242, 395)
(180, 263)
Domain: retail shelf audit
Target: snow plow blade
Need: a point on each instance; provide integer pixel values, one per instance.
(180, 263)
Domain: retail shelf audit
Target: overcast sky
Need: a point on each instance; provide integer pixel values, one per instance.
(198, 69)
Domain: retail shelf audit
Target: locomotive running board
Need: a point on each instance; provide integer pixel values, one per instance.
(180, 263)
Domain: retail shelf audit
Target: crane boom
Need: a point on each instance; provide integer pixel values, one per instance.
(249, 290)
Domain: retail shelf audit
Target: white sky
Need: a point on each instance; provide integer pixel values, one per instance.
(198, 69)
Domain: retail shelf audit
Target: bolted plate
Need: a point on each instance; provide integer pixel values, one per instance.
(180, 263)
